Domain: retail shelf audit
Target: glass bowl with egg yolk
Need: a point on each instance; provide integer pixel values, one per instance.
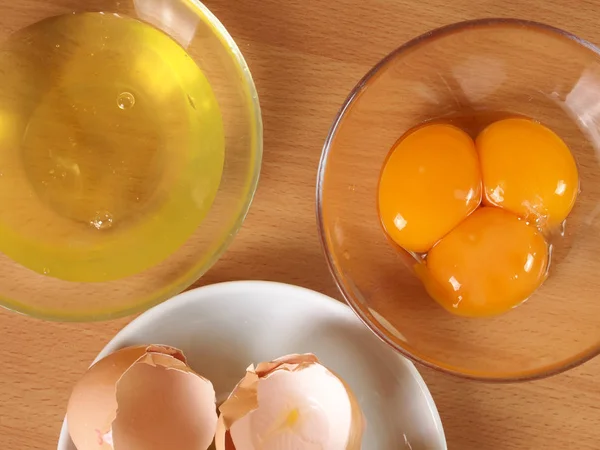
(130, 149)
(457, 200)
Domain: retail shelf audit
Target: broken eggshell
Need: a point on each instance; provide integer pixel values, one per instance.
(290, 403)
(142, 398)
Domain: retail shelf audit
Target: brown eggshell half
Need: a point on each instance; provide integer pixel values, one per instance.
(243, 399)
(142, 398)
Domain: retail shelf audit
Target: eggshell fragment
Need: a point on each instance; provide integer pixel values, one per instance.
(142, 398)
(293, 402)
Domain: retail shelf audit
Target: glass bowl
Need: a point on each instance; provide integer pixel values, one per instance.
(467, 74)
(191, 25)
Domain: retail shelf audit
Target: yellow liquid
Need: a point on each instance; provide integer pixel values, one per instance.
(111, 147)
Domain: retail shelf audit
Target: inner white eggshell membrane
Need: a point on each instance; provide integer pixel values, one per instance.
(292, 403)
(307, 409)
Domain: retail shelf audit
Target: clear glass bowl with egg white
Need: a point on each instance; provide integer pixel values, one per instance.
(130, 149)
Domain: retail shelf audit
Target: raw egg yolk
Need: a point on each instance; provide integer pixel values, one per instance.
(430, 182)
(488, 264)
(529, 170)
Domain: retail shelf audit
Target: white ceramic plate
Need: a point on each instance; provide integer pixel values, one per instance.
(224, 328)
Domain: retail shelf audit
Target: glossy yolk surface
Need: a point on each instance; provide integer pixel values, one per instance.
(528, 170)
(488, 264)
(429, 184)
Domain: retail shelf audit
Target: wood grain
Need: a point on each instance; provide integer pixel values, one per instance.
(305, 56)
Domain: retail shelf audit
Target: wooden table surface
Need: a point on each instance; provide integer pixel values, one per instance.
(305, 56)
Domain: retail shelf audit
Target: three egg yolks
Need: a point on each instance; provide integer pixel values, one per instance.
(478, 211)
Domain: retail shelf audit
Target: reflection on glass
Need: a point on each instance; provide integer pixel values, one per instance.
(176, 18)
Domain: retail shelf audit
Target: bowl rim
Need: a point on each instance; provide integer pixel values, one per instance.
(246, 79)
(534, 374)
